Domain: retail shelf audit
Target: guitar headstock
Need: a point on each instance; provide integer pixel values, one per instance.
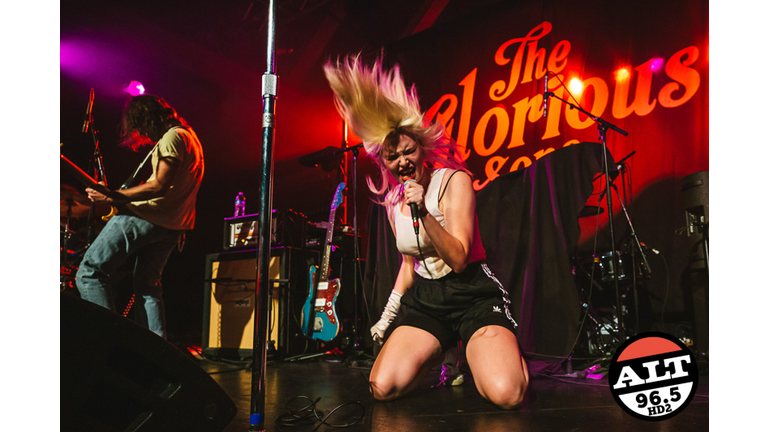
(337, 197)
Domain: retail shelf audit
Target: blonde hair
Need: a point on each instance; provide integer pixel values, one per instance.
(379, 109)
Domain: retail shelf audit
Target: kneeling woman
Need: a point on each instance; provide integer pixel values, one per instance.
(449, 292)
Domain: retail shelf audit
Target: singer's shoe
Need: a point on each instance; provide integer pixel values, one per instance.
(451, 376)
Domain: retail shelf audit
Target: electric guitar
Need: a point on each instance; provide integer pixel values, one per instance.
(86, 181)
(318, 316)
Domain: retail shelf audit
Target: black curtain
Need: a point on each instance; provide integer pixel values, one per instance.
(529, 228)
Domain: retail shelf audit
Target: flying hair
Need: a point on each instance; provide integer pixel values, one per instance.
(379, 108)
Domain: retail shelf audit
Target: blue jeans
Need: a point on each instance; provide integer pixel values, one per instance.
(123, 237)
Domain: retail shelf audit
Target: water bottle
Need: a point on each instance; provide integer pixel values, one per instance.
(240, 205)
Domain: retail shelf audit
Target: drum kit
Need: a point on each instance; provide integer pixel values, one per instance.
(78, 229)
(608, 281)
(74, 210)
(595, 277)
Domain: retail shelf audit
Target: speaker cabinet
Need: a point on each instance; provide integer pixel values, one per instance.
(119, 376)
(696, 274)
(230, 301)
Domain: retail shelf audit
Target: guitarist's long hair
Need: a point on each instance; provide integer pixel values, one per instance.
(145, 119)
(379, 109)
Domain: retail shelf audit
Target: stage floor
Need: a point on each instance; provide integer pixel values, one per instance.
(552, 403)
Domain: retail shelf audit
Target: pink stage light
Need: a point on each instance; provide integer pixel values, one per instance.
(657, 64)
(135, 88)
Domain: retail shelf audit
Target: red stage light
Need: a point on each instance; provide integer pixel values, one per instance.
(622, 74)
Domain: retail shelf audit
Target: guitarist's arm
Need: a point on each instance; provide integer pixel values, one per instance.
(153, 188)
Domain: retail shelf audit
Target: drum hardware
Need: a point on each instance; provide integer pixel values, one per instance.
(604, 262)
(67, 201)
(609, 170)
(606, 273)
(601, 327)
(622, 267)
(73, 205)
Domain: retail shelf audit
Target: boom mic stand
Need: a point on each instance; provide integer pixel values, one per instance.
(602, 128)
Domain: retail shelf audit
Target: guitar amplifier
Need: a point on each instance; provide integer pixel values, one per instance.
(230, 301)
(288, 229)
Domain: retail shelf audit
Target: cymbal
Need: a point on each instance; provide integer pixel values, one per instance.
(76, 205)
(589, 210)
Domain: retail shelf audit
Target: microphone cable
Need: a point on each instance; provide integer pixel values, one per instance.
(308, 414)
(416, 232)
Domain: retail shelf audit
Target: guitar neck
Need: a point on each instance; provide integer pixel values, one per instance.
(327, 249)
(77, 173)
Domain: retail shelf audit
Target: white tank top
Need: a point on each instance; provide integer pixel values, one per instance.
(406, 237)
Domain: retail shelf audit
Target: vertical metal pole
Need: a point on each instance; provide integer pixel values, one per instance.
(614, 258)
(345, 170)
(269, 95)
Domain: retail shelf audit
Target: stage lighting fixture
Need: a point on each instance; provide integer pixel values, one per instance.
(134, 88)
(575, 86)
(657, 64)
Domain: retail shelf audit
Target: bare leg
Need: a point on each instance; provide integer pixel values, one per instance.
(407, 356)
(499, 371)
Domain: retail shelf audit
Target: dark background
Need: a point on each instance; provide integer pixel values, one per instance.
(206, 59)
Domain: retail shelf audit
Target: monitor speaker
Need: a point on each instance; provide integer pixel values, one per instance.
(119, 376)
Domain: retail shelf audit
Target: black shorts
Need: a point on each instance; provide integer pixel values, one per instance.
(455, 306)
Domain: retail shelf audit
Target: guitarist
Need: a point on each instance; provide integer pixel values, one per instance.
(152, 217)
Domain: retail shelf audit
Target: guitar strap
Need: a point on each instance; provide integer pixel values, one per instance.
(127, 183)
(129, 180)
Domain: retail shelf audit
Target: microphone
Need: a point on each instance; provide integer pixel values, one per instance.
(620, 164)
(414, 211)
(88, 110)
(546, 90)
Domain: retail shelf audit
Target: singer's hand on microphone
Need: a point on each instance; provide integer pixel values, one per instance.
(413, 192)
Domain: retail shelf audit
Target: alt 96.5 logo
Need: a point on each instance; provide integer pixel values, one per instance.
(653, 376)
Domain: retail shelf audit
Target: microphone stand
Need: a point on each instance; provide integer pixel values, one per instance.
(355, 149)
(100, 177)
(602, 128)
(643, 256)
(269, 96)
(637, 243)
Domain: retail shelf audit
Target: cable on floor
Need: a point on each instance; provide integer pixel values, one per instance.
(309, 414)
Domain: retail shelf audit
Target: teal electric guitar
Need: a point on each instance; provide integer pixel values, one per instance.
(318, 316)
